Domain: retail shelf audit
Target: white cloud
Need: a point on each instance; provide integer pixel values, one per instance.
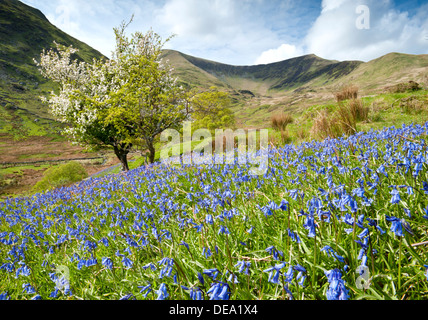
(283, 52)
(334, 35)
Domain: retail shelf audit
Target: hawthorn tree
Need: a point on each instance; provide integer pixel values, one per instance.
(120, 102)
(210, 110)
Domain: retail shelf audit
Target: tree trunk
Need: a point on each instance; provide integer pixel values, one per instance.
(152, 152)
(122, 155)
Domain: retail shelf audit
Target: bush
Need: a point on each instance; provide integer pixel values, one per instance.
(63, 175)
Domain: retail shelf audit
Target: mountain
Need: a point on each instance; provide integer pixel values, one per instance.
(24, 33)
(294, 84)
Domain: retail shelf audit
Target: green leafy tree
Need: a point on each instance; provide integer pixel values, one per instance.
(120, 102)
(210, 110)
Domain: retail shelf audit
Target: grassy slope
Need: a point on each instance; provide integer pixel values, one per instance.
(25, 32)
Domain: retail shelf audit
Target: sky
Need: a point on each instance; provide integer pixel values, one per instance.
(250, 32)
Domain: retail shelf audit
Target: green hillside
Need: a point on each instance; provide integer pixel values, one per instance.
(24, 33)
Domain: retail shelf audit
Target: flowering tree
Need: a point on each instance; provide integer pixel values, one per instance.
(118, 103)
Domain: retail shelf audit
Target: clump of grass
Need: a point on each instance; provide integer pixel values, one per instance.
(358, 111)
(62, 175)
(280, 121)
(322, 126)
(412, 105)
(346, 93)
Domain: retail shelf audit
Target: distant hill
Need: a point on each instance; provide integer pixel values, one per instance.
(308, 71)
(294, 84)
(24, 33)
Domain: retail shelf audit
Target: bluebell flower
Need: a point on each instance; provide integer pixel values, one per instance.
(129, 296)
(4, 296)
(195, 294)
(283, 205)
(426, 213)
(396, 226)
(337, 289)
(395, 196)
(206, 252)
(223, 230)
(331, 253)
(162, 292)
(127, 263)
(36, 297)
(274, 252)
(219, 291)
(147, 289)
(274, 272)
(425, 187)
(54, 294)
(182, 243)
(107, 262)
(290, 294)
(150, 265)
(23, 270)
(243, 266)
(209, 219)
(232, 278)
(28, 288)
(310, 226)
(201, 278)
(211, 273)
(426, 270)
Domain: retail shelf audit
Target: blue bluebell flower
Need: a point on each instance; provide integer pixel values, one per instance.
(337, 289)
(162, 292)
(397, 226)
(147, 289)
(201, 278)
(219, 291)
(212, 273)
(195, 293)
(107, 262)
(395, 196)
(274, 252)
(244, 266)
(28, 288)
(4, 296)
(127, 263)
(128, 296)
(274, 272)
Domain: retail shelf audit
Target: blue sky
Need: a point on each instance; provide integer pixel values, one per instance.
(247, 32)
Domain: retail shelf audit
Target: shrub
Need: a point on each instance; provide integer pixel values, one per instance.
(63, 175)
(281, 120)
(347, 92)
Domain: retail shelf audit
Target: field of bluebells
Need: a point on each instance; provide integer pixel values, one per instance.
(343, 219)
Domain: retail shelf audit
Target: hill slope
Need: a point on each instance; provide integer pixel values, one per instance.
(24, 33)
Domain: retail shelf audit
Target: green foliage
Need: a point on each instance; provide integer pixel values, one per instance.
(211, 110)
(63, 175)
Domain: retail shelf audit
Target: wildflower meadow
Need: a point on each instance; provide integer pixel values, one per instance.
(340, 219)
